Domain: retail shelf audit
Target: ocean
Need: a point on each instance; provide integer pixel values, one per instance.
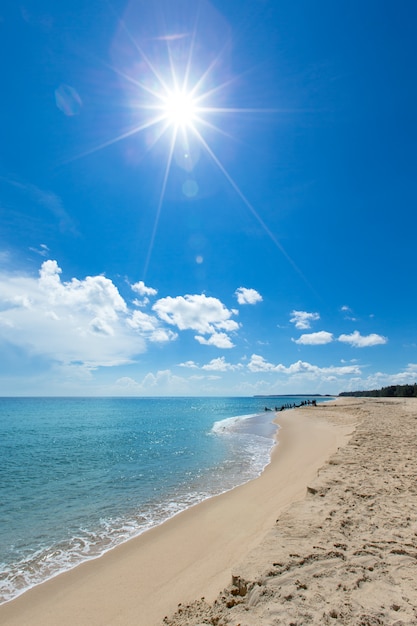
(79, 476)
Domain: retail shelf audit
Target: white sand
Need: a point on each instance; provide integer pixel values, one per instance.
(345, 554)
(193, 554)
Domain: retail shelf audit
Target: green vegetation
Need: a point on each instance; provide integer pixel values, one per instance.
(393, 391)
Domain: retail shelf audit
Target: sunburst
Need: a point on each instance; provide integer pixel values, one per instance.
(180, 109)
(186, 112)
(182, 102)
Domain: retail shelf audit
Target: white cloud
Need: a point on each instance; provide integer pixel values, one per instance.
(302, 319)
(247, 296)
(141, 303)
(162, 335)
(88, 323)
(164, 382)
(149, 327)
(382, 379)
(315, 339)
(143, 322)
(220, 364)
(190, 364)
(349, 313)
(79, 321)
(97, 325)
(301, 367)
(357, 340)
(219, 340)
(258, 364)
(43, 250)
(94, 294)
(143, 290)
(206, 315)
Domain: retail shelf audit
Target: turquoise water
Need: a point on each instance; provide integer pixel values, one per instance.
(81, 475)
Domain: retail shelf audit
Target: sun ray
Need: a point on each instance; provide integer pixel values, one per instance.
(203, 122)
(222, 110)
(198, 85)
(161, 200)
(173, 96)
(148, 62)
(181, 107)
(249, 206)
(188, 65)
(219, 87)
(133, 131)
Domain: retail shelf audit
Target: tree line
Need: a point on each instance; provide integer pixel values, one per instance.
(393, 391)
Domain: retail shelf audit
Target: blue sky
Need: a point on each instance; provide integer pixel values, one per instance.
(207, 198)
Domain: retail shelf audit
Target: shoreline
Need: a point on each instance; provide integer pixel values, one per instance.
(191, 554)
(183, 505)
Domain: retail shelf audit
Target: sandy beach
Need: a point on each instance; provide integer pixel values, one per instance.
(345, 554)
(343, 549)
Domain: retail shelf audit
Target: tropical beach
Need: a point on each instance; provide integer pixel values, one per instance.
(197, 234)
(324, 533)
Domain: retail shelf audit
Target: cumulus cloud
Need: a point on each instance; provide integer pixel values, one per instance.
(257, 363)
(315, 339)
(220, 364)
(88, 323)
(357, 340)
(206, 315)
(144, 322)
(162, 335)
(302, 319)
(94, 294)
(247, 296)
(97, 325)
(143, 290)
(77, 321)
(164, 381)
(383, 379)
(219, 340)
(149, 326)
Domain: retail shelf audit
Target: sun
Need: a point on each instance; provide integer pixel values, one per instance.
(179, 89)
(180, 108)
